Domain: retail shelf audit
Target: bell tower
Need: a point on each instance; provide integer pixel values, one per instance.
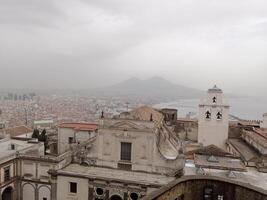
(213, 121)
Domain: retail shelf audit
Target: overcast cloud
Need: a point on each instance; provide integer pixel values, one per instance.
(91, 43)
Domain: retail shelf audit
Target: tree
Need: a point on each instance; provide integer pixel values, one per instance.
(35, 134)
(43, 138)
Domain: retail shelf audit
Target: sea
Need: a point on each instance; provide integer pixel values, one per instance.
(248, 108)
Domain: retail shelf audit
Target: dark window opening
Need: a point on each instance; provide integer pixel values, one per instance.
(126, 151)
(12, 146)
(180, 197)
(70, 140)
(7, 174)
(99, 191)
(208, 114)
(134, 196)
(214, 99)
(44, 198)
(219, 115)
(220, 197)
(208, 193)
(73, 187)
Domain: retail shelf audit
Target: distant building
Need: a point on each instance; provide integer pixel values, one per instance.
(19, 132)
(264, 122)
(139, 154)
(43, 124)
(126, 158)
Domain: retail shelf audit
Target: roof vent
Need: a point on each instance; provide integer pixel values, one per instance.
(212, 158)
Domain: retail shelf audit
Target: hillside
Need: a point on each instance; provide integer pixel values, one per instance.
(156, 89)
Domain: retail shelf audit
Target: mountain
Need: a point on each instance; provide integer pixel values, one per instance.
(155, 89)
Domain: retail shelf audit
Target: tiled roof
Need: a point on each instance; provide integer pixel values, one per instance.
(258, 136)
(144, 113)
(247, 152)
(249, 123)
(209, 150)
(18, 130)
(80, 126)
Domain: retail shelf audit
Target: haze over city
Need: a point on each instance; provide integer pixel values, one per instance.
(86, 44)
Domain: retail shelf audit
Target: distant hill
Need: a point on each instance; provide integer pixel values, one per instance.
(155, 89)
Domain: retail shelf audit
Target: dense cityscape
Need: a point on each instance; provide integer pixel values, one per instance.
(133, 100)
(26, 109)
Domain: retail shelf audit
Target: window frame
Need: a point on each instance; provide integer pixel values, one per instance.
(70, 187)
(7, 177)
(126, 155)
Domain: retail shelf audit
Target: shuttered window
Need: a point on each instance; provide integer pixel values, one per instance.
(126, 151)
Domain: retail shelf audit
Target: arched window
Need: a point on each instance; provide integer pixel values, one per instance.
(214, 99)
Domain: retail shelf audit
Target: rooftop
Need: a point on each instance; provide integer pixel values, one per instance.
(246, 151)
(144, 113)
(219, 162)
(251, 176)
(209, 150)
(115, 175)
(81, 126)
(44, 121)
(18, 130)
(215, 89)
(20, 146)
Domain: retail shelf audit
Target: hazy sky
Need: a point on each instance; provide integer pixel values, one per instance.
(89, 43)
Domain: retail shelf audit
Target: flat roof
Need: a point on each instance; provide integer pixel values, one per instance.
(115, 174)
(226, 163)
(18, 130)
(5, 147)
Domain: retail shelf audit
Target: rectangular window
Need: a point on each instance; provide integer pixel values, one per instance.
(126, 151)
(208, 193)
(70, 140)
(220, 197)
(73, 187)
(44, 198)
(7, 173)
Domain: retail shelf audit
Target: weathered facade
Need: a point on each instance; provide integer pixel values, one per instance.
(207, 188)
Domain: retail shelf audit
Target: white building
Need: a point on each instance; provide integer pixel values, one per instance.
(264, 122)
(10, 165)
(213, 121)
